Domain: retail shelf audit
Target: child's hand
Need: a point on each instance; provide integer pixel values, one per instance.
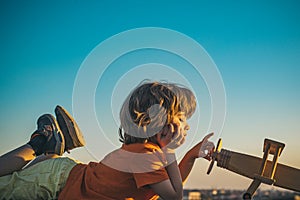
(171, 137)
(203, 149)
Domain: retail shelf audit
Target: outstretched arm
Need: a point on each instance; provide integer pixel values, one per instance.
(202, 149)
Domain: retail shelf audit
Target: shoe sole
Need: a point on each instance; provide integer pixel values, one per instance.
(57, 133)
(72, 134)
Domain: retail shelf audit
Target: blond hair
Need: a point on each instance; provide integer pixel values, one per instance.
(151, 106)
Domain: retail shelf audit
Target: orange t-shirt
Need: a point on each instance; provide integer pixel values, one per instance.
(123, 174)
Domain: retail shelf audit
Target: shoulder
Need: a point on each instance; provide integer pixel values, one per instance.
(141, 147)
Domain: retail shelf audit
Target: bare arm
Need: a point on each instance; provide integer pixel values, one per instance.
(172, 187)
(186, 165)
(202, 149)
(170, 138)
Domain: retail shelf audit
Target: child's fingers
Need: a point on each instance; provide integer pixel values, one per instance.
(180, 139)
(174, 129)
(169, 131)
(205, 139)
(176, 136)
(206, 149)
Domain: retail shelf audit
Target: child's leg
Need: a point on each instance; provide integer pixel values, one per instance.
(46, 139)
(16, 159)
(71, 131)
(21, 158)
(51, 137)
(40, 159)
(41, 181)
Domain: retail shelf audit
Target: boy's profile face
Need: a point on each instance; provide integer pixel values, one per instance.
(180, 123)
(176, 130)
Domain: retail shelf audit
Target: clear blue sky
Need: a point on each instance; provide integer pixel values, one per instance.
(255, 45)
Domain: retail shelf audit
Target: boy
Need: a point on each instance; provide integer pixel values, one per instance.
(153, 124)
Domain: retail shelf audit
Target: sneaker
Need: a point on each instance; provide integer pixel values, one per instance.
(72, 134)
(48, 127)
(37, 142)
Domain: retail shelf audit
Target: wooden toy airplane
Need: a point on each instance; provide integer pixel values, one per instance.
(261, 170)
